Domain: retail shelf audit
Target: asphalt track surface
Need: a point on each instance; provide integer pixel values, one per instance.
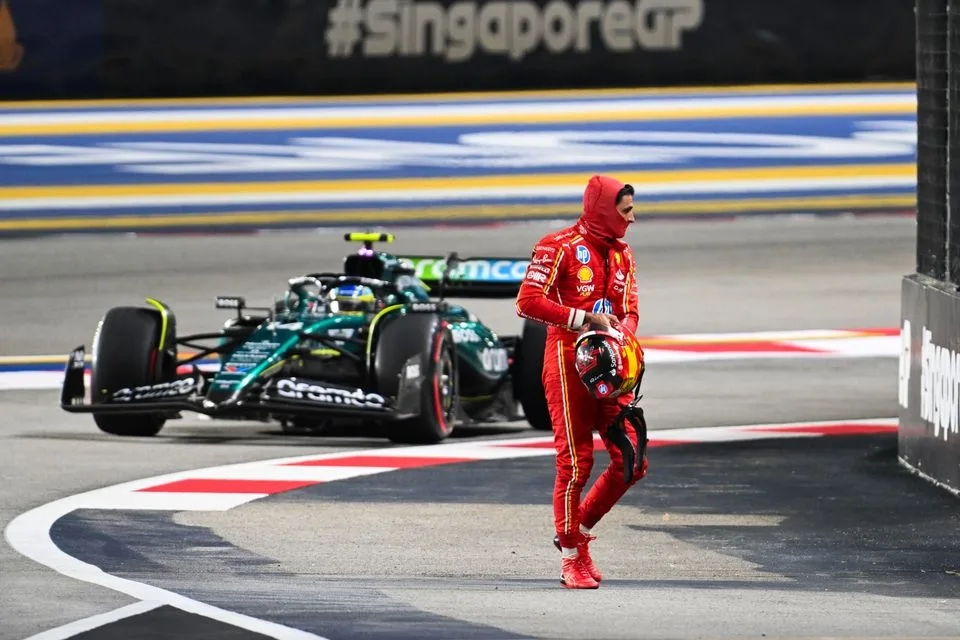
(809, 542)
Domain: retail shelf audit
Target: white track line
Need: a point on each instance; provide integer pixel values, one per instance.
(88, 624)
(29, 533)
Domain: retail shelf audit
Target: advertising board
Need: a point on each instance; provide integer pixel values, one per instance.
(929, 377)
(204, 48)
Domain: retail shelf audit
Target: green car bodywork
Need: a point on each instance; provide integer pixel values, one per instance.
(300, 314)
(411, 357)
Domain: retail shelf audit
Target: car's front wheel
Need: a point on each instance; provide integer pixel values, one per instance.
(126, 355)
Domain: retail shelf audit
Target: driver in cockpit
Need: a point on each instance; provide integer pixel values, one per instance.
(352, 298)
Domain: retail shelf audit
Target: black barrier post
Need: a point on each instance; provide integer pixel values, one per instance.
(929, 434)
(931, 20)
(952, 259)
(929, 389)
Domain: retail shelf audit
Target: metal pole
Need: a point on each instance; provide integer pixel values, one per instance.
(949, 155)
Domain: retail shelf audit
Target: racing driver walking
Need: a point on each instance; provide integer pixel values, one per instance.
(582, 279)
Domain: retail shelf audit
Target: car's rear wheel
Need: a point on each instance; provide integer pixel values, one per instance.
(126, 354)
(528, 375)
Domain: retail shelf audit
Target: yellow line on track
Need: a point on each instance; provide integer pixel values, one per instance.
(457, 182)
(453, 213)
(394, 121)
(34, 359)
(464, 96)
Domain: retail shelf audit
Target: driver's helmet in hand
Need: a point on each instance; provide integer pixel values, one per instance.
(352, 298)
(608, 361)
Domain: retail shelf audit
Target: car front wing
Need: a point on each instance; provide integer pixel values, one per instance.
(281, 395)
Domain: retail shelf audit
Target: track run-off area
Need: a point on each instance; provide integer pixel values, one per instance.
(774, 508)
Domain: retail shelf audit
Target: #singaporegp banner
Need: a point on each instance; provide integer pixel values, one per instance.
(163, 48)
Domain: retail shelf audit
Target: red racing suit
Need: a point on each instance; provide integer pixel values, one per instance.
(572, 271)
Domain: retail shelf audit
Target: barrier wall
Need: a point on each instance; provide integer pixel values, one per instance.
(929, 361)
(929, 436)
(157, 48)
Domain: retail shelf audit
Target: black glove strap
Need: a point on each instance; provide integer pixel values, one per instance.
(617, 433)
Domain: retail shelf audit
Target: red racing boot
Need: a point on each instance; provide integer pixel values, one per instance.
(573, 575)
(583, 552)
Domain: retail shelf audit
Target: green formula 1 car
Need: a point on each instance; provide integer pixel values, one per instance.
(377, 342)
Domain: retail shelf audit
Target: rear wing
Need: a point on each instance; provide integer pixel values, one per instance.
(477, 277)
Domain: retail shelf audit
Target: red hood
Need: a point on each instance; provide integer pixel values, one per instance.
(600, 218)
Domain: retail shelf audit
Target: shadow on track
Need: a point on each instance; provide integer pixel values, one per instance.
(851, 517)
(833, 513)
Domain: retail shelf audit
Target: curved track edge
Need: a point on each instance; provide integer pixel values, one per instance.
(226, 487)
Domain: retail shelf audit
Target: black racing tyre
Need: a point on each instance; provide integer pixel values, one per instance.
(528, 375)
(426, 335)
(125, 354)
